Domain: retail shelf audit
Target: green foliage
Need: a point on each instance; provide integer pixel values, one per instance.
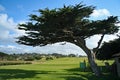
(71, 55)
(64, 24)
(33, 56)
(108, 49)
(56, 55)
(27, 56)
(49, 58)
(29, 59)
(5, 56)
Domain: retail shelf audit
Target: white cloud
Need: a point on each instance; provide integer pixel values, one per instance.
(7, 23)
(55, 48)
(118, 24)
(100, 13)
(68, 48)
(92, 42)
(2, 8)
(8, 29)
(6, 33)
(109, 37)
(13, 49)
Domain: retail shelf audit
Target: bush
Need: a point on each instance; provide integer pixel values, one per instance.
(29, 59)
(49, 58)
(3, 63)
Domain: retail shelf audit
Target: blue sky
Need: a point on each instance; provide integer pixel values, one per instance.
(13, 12)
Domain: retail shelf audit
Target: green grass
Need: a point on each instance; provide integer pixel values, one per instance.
(57, 69)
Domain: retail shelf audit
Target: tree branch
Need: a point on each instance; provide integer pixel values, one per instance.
(95, 50)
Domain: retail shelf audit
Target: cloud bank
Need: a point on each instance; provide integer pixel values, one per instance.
(100, 14)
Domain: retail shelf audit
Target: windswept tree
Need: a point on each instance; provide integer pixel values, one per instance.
(70, 24)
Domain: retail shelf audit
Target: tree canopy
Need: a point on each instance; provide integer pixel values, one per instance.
(108, 49)
(2, 54)
(64, 24)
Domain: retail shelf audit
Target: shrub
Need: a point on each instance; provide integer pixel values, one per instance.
(13, 63)
(49, 58)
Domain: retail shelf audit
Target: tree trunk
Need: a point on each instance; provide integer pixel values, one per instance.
(81, 43)
(93, 65)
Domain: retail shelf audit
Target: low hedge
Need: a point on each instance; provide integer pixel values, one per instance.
(3, 63)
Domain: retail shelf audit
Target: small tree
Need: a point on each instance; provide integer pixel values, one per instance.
(3, 55)
(71, 55)
(70, 24)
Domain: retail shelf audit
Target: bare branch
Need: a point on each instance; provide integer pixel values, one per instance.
(95, 50)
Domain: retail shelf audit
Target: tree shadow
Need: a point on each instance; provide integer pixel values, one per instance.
(79, 70)
(16, 73)
(6, 74)
(78, 74)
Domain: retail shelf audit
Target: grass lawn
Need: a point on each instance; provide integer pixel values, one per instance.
(57, 69)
